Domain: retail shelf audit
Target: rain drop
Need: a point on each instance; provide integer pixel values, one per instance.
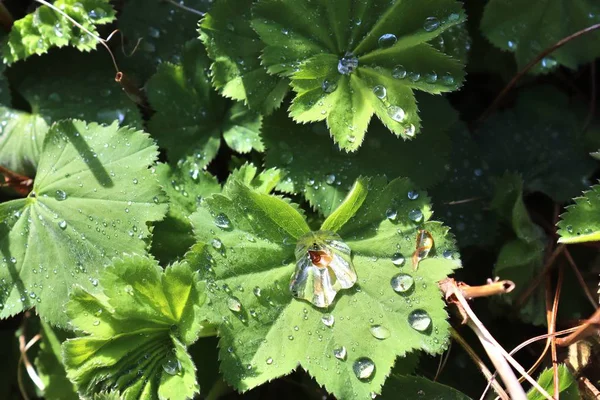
(387, 40)
(512, 45)
(330, 179)
(431, 24)
(410, 130)
(328, 320)
(448, 80)
(340, 353)
(398, 259)
(217, 244)
(62, 225)
(415, 215)
(380, 332)
(447, 254)
(222, 221)
(171, 366)
(419, 320)
(233, 303)
(391, 214)
(269, 361)
(328, 86)
(431, 77)
(402, 283)
(396, 113)
(60, 195)
(380, 91)
(413, 195)
(347, 64)
(363, 368)
(414, 76)
(399, 72)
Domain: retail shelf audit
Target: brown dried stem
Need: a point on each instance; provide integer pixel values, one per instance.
(551, 312)
(588, 328)
(6, 18)
(580, 279)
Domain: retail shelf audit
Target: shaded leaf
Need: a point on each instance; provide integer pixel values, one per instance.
(92, 198)
(136, 331)
(417, 387)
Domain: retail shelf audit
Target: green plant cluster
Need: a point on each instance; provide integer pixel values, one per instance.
(268, 195)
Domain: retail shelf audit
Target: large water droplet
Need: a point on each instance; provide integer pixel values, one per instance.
(363, 368)
(419, 320)
(512, 45)
(340, 353)
(62, 225)
(347, 64)
(217, 244)
(413, 195)
(410, 130)
(402, 282)
(330, 179)
(415, 215)
(380, 91)
(269, 361)
(328, 320)
(328, 86)
(548, 62)
(391, 214)
(431, 77)
(387, 40)
(431, 24)
(380, 332)
(399, 72)
(396, 113)
(398, 259)
(233, 303)
(414, 76)
(60, 195)
(448, 80)
(171, 366)
(222, 221)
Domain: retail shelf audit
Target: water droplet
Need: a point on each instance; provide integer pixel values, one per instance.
(328, 86)
(222, 221)
(447, 254)
(60, 195)
(548, 62)
(391, 214)
(96, 322)
(290, 337)
(512, 45)
(340, 353)
(330, 179)
(328, 320)
(431, 77)
(431, 24)
(171, 366)
(62, 225)
(399, 72)
(410, 130)
(569, 229)
(413, 195)
(398, 259)
(402, 282)
(233, 303)
(415, 215)
(380, 332)
(363, 368)
(256, 291)
(414, 76)
(217, 244)
(347, 64)
(380, 91)
(153, 32)
(387, 40)
(448, 80)
(396, 113)
(419, 320)
(269, 361)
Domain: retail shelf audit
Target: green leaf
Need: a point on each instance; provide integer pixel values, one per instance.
(46, 28)
(538, 25)
(248, 174)
(49, 364)
(347, 61)
(539, 138)
(581, 222)
(520, 259)
(567, 386)
(190, 116)
(235, 50)
(186, 188)
(92, 199)
(21, 139)
(417, 387)
(462, 200)
(455, 42)
(266, 333)
(136, 331)
(155, 32)
(91, 93)
(323, 174)
(348, 208)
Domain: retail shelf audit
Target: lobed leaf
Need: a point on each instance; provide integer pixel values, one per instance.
(235, 51)
(417, 387)
(92, 199)
(349, 60)
(45, 28)
(581, 222)
(136, 332)
(266, 333)
(567, 385)
(540, 24)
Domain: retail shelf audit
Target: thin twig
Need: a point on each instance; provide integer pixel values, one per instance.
(531, 64)
(23, 359)
(186, 8)
(538, 279)
(455, 202)
(590, 387)
(551, 312)
(492, 288)
(480, 364)
(443, 361)
(588, 328)
(580, 279)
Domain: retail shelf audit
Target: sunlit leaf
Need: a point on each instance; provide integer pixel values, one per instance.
(567, 385)
(581, 222)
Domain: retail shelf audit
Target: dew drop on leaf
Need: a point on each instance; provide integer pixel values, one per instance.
(431, 77)
(410, 130)
(233, 303)
(431, 24)
(380, 91)
(347, 64)
(448, 80)
(222, 221)
(330, 179)
(397, 259)
(256, 291)
(217, 244)
(447, 254)
(399, 72)
(363, 368)
(269, 361)
(419, 320)
(380, 332)
(402, 282)
(512, 45)
(396, 113)
(62, 225)
(328, 86)
(413, 195)
(171, 366)
(414, 76)
(328, 320)
(415, 215)
(60, 195)
(340, 353)
(387, 40)
(391, 214)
